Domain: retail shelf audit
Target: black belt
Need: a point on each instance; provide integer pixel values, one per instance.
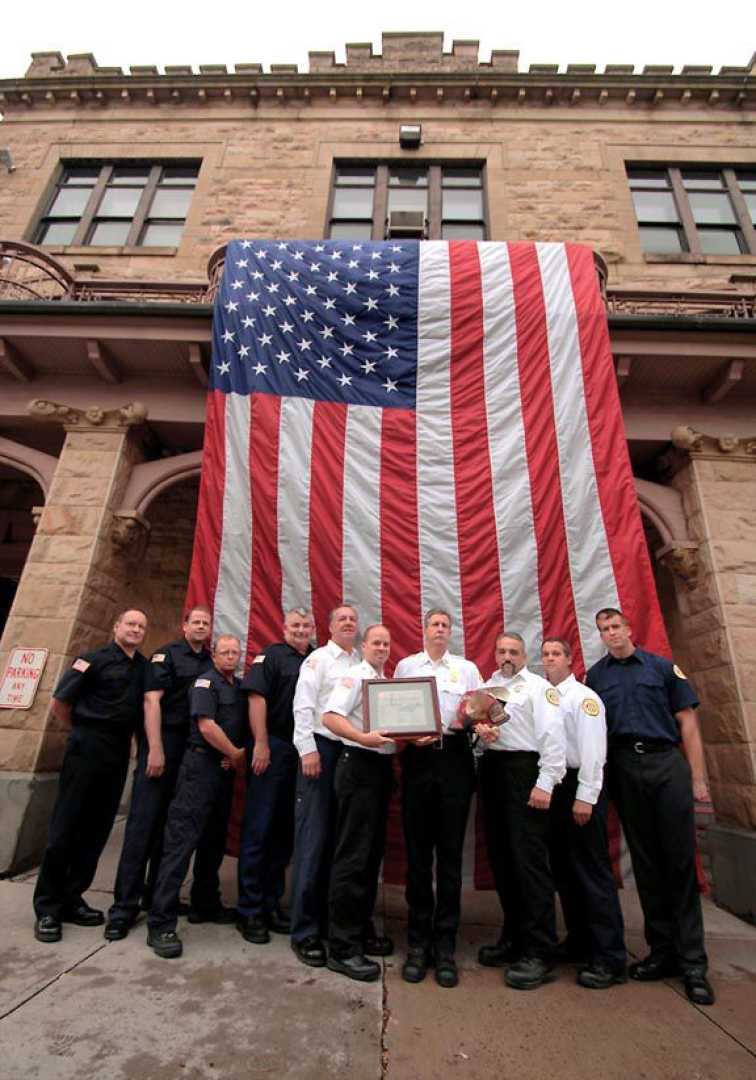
(641, 746)
(363, 752)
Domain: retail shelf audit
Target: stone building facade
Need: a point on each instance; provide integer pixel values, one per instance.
(104, 344)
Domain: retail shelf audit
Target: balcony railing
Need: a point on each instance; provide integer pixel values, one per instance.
(29, 273)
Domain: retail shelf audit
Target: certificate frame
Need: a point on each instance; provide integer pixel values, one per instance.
(381, 711)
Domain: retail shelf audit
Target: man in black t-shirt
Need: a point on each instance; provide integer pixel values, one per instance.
(267, 834)
(218, 737)
(100, 697)
(170, 673)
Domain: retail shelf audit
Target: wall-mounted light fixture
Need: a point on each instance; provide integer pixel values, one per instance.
(410, 136)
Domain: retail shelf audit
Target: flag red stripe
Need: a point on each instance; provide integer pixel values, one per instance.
(619, 503)
(265, 602)
(476, 523)
(326, 511)
(203, 576)
(554, 581)
(400, 550)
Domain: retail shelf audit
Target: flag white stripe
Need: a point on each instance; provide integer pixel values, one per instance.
(591, 569)
(513, 510)
(234, 588)
(437, 509)
(361, 559)
(294, 454)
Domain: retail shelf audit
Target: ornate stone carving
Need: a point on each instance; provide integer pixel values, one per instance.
(129, 415)
(130, 532)
(689, 441)
(681, 558)
(36, 513)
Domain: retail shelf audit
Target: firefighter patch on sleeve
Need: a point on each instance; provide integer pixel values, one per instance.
(259, 659)
(81, 665)
(158, 658)
(590, 707)
(679, 672)
(552, 696)
(203, 684)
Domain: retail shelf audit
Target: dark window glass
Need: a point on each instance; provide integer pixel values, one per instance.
(461, 178)
(70, 202)
(351, 230)
(746, 181)
(661, 240)
(119, 202)
(648, 178)
(80, 176)
(468, 231)
(130, 176)
(408, 177)
(719, 241)
(58, 232)
(408, 199)
(353, 203)
(710, 208)
(106, 233)
(162, 235)
(186, 176)
(355, 175)
(462, 205)
(700, 179)
(171, 203)
(655, 206)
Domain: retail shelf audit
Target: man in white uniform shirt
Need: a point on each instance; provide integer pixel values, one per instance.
(579, 852)
(319, 751)
(437, 786)
(364, 776)
(523, 761)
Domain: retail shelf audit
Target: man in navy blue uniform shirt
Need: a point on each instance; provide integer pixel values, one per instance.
(650, 711)
(170, 673)
(267, 834)
(217, 748)
(100, 697)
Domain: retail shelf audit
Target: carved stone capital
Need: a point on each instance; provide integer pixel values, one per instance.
(36, 513)
(698, 445)
(93, 418)
(130, 532)
(681, 558)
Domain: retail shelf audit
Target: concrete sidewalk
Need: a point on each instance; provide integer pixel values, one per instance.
(96, 1011)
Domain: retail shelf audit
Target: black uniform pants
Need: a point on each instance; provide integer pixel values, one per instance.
(314, 817)
(362, 784)
(437, 787)
(267, 834)
(143, 838)
(653, 793)
(89, 791)
(197, 818)
(583, 876)
(518, 846)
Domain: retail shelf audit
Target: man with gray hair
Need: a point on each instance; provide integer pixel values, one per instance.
(437, 786)
(267, 833)
(315, 809)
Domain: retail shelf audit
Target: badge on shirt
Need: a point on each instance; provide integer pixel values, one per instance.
(81, 665)
(347, 681)
(312, 663)
(679, 672)
(158, 658)
(590, 707)
(552, 696)
(453, 675)
(259, 659)
(202, 684)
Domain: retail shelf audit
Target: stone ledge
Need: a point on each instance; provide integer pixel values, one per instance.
(733, 861)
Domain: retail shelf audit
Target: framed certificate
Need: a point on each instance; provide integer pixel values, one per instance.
(401, 707)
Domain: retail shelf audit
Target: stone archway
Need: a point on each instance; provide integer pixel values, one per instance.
(20, 496)
(159, 572)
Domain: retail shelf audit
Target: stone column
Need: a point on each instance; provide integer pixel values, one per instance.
(717, 596)
(68, 595)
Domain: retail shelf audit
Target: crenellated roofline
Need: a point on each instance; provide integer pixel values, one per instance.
(411, 68)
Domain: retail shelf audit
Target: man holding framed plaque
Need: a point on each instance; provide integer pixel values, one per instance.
(362, 784)
(438, 779)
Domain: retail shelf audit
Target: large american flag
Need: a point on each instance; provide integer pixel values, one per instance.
(407, 425)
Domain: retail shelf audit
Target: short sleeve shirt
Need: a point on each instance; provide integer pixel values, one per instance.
(173, 669)
(213, 696)
(454, 676)
(273, 675)
(642, 693)
(346, 701)
(105, 688)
